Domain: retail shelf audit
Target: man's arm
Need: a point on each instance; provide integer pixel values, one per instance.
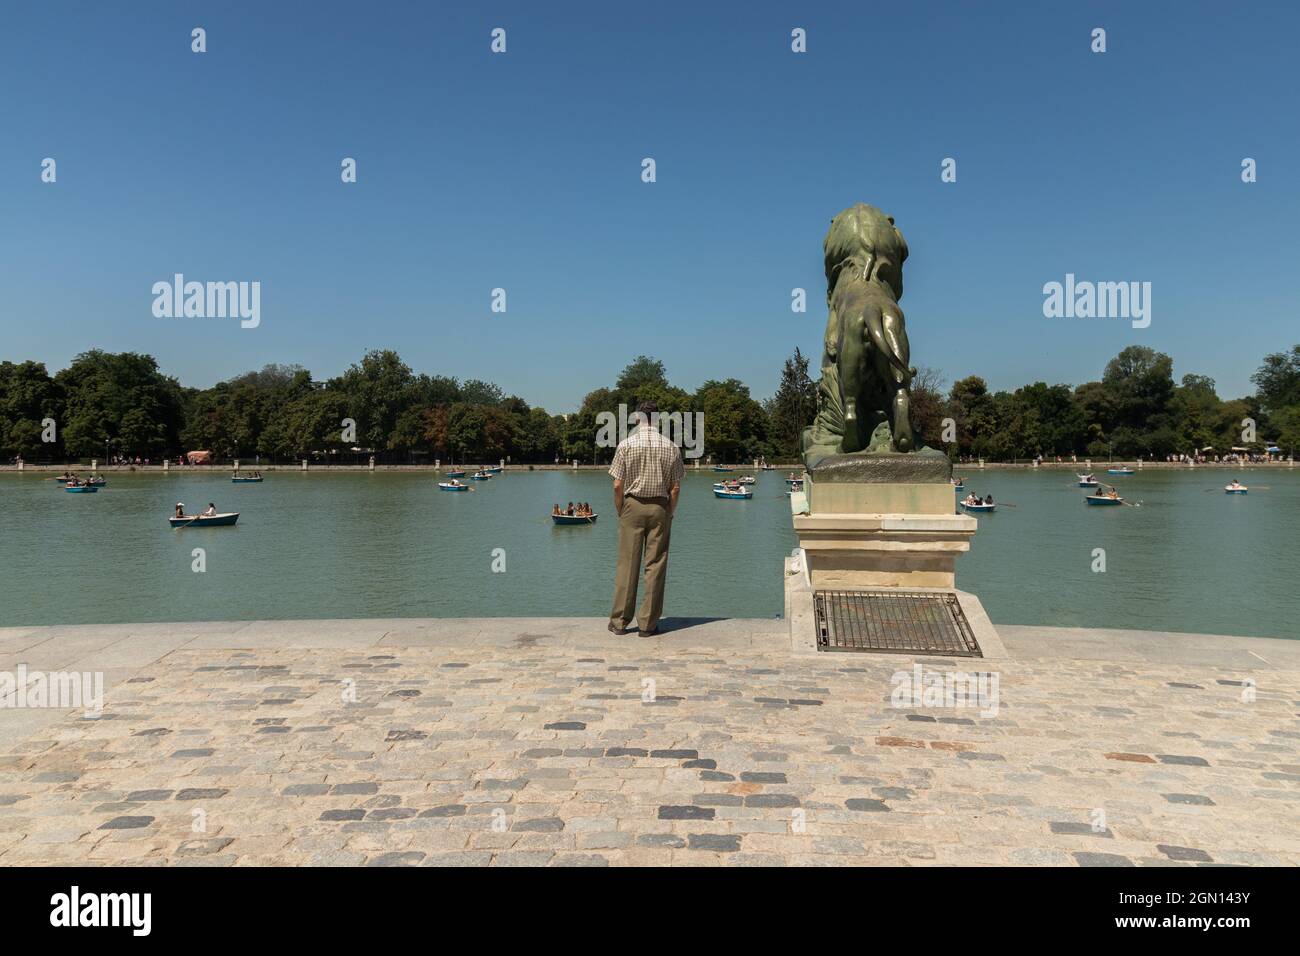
(675, 488)
(618, 496)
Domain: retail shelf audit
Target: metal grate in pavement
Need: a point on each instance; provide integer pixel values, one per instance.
(893, 622)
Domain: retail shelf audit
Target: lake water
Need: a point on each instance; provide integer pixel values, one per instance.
(359, 545)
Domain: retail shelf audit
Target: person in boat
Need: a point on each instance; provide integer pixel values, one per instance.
(555, 508)
(180, 510)
(569, 511)
(210, 511)
(1112, 493)
(988, 499)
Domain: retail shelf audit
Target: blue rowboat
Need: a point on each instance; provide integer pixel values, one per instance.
(978, 507)
(494, 471)
(455, 474)
(1229, 490)
(1119, 471)
(959, 487)
(1102, 500)
(244, 481)
(738, 493)
(1086, 481)
(80, 489)
(97, 482)
(480, 477)
(448, 486)
(198, 521)
(574, 519)
(722, 468)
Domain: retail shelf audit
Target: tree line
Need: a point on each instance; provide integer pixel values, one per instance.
(1136, 410)
(121, 404)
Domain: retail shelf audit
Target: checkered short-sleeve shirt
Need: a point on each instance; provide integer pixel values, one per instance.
(648, 464)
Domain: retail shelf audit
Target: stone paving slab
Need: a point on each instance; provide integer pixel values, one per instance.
(566, 745)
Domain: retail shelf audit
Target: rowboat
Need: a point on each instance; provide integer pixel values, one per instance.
(493, 471)
(1238, 490)
(747, 479)
(721, 468)
(449, 486)
(80, 489)
(1102, 500)
(574, 519)
(97, 482)
(240, 480)
(479, 476)
(720, 491)
(1087, 481)
(1119, 471)
(196, 521)
(979, 507)
(769, 467)
(960, 487)
(455, 474)
(794, 481)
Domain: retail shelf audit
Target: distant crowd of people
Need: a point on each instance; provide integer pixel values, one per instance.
(1231, 458)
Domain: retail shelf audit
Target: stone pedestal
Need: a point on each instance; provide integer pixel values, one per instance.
(881, 521)
(883, 550)
(873, 522)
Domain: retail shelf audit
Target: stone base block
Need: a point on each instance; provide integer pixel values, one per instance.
(883, 550)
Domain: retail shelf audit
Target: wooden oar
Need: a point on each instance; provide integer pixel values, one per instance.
(188, 523)
(1128, 504)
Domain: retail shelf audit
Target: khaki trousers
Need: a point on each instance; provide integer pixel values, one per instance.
(644, 526)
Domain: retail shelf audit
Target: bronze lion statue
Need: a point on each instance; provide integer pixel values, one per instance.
(864, 395)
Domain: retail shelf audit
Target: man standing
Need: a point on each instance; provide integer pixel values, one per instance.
(647, 472)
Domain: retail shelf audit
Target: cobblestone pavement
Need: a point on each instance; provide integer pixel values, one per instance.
(534, 751)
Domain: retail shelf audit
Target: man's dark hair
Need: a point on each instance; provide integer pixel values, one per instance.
(647, 409)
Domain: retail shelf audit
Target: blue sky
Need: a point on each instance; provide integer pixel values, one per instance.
(522, 171)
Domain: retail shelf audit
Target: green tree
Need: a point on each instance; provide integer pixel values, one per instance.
(791, 409)
(28, 395)
(1277, 381)
(642, 372)
(1059, 424)
(377, 390)
(735, 426)
(1140, 382)
(102, 388)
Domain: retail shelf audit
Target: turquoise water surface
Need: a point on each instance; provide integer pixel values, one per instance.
(390, 544)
